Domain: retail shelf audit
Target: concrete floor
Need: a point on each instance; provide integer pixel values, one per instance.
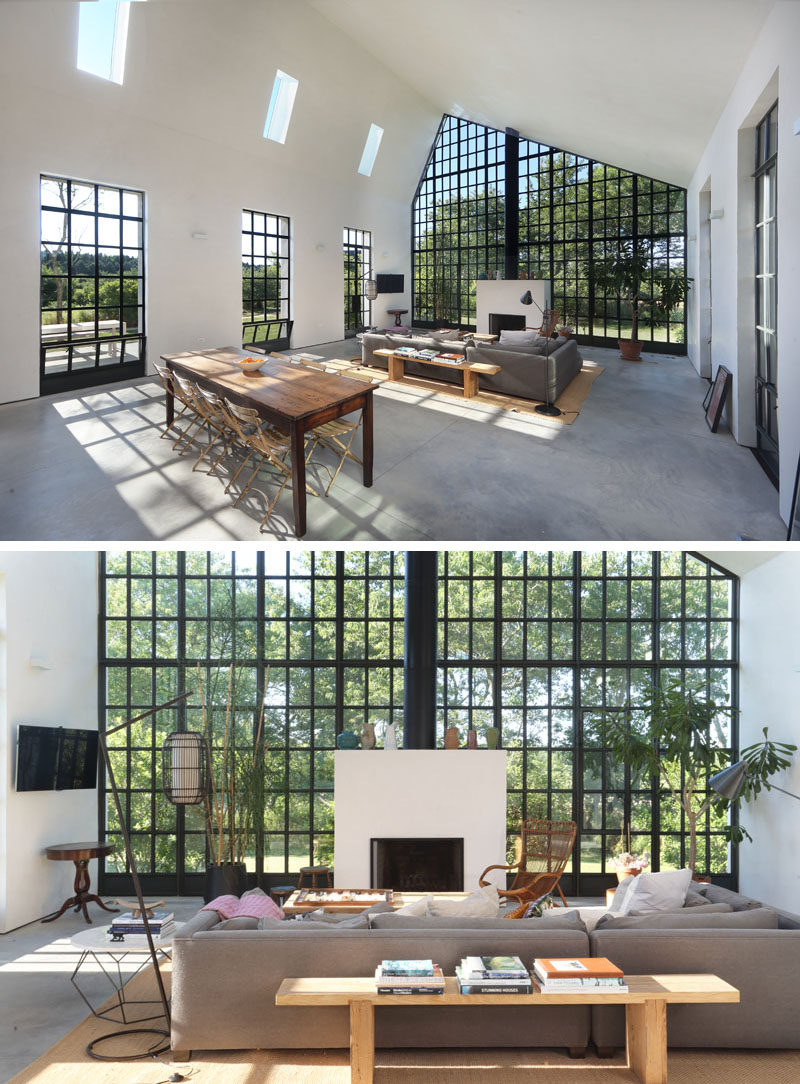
(38, 1004)
(639, 463)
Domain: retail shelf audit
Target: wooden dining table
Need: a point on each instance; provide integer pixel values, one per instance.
(293, 398)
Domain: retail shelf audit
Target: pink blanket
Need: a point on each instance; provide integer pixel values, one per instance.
(255, 906)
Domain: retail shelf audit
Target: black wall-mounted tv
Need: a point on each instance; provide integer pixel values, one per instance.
(56, 758)
(390, 284)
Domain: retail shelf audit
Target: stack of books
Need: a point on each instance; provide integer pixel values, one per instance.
(493, 975)
(406, 351)
(424, 355)
(409, 977)
(162, 926)
(594, 974)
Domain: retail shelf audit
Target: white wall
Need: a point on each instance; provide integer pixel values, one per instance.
(420, 793)
(770, 696)
(48, 610)
(502, 295)
(186, 127)
(770, 72)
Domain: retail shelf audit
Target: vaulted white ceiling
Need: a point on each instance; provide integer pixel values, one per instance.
(637, 83)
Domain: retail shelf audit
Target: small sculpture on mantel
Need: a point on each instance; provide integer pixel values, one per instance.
(368, 736)
(451, 738)
(390, 737)
(472, 738)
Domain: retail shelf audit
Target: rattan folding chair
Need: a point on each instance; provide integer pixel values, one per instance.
(267, 443)
(338, 437)
(189, 393)
(544, 851)
(220, 426)
(166, 377)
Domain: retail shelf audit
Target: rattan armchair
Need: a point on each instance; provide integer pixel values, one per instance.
(544, 851)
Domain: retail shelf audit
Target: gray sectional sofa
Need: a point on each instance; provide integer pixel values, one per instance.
(224, 978)
(524, 371)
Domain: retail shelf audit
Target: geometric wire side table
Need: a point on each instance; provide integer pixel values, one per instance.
(95, 944)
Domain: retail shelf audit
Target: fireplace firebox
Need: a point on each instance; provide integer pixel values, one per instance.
(417, 864)
(505, 321)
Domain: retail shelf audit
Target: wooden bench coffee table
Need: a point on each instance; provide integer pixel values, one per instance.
(471, 370)
(645, 1011)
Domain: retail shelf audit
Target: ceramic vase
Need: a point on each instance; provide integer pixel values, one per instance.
(472, 739)
(225, 879)
(451, 739)
(368, 736)
(492, 737)
(390, 738)
(348, 739)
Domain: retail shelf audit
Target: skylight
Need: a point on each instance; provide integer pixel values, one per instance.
(371, 150)
(281, 104)
(102, 38)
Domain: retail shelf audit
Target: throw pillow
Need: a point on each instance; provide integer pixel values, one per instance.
(483, 901)
(738, 902)
(618, 902)
(253, 904)
(657, 891)
(416, 907)
(707, 909)
(518, 338)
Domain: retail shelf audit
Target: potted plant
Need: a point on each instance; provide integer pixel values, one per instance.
(626, 863)
(237, 797)
(645, 284)
(673, 735)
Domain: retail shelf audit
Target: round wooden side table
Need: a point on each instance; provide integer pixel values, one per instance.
(81, 854)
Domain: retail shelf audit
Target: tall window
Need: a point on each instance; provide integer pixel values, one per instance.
(92, 284)
(266, 275)
(317, 636)
(357, 248)
(459, 221)
(540, 644)
(491, 202)
(766, 236)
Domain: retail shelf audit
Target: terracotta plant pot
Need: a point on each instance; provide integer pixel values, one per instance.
(630, 350)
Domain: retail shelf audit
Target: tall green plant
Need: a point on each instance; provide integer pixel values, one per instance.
(649, 287)
(673, 735)
(239, 785)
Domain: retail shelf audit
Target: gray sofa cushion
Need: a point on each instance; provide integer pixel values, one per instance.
(568, 921)
(345, 920)
(760, 918)
(242, 922)
(706, 908)
(717, 894)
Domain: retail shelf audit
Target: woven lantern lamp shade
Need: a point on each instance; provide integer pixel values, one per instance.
(185, 768)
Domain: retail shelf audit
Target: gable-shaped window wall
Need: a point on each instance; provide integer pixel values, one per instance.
(535, 644)
(492, 202)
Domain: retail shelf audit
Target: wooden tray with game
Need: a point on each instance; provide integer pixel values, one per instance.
(342, 897)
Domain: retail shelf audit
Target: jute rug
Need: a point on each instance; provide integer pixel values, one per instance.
(569, 402)
(68, 1063)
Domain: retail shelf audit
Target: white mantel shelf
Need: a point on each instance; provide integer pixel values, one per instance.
(421, 793)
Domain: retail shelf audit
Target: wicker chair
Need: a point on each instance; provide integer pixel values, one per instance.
(544, 852)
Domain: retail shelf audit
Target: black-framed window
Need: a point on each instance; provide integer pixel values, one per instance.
(540, 644)
(458, 221)
(266, 267)
(766, 272)
(490, 201)
(535, 644)
(92, 283)
(318, 635)
(357, 253)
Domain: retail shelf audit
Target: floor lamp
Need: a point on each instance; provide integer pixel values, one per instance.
(548, 408)
(730, 782)
(185, 757)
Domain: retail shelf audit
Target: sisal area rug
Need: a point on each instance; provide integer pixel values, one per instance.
(68, 1063)
(569, 402)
